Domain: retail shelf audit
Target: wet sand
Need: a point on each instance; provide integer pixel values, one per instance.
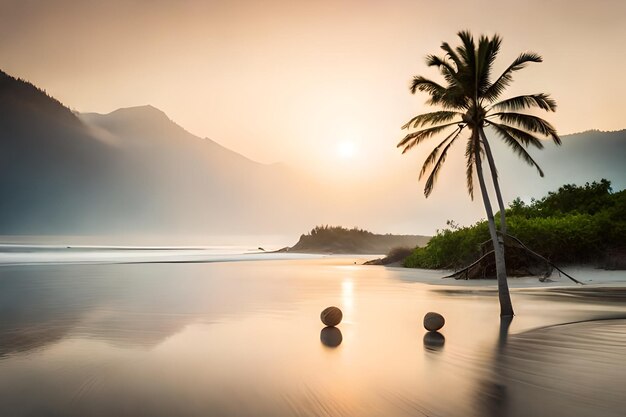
(244, 338)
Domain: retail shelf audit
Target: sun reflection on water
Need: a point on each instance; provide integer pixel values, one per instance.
(347, 297)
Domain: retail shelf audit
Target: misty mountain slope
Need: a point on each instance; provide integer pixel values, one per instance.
(582, 157)
(146, 132)
(49, 163)
(196, 182)
(131, 171)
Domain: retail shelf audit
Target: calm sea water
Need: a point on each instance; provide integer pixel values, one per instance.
(245, 339)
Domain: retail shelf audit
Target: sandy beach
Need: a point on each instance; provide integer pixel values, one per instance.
(590, 277)
(245, 338)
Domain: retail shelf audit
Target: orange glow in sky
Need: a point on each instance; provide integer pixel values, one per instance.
(321, 86)
(281, 81)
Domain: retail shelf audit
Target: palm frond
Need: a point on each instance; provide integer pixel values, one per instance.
(433, 155)
(470, 156)
(420, 83)
(447, 71)
(431, 118)
(453, 99)
(519, 134)
(464, 76)
(467, 71)
(518, 148)
(448, 98)
(494, 49)
(541, 100)
(430, 182)
(529, 122)
(435, 61)
(452, 54)
(496, 89)
(467, 50)
(485, 56)
(416, 138)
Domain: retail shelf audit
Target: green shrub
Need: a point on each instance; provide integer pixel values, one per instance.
(573, 224)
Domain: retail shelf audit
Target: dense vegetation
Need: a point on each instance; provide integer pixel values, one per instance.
(576, 224)
(336, 239)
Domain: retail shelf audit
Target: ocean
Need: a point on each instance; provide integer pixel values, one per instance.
(209, 331)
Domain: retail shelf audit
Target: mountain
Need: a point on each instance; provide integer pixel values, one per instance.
(189, 183)
(49, 163)
(134, 171)
(582, 157)
(130, 171)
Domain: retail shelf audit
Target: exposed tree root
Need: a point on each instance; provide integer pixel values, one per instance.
(520, 260)
(546, 260)
(465, 272)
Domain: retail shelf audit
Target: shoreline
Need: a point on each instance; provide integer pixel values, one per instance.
(589, 275)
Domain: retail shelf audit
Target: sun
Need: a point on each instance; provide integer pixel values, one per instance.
(346, 149)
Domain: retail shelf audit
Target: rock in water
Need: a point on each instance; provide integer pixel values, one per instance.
(331, 316)
(433, 321)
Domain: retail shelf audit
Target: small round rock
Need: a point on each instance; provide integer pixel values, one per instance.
(331, 316)
(433, 321)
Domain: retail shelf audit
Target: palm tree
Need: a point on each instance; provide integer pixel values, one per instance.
(469, 102)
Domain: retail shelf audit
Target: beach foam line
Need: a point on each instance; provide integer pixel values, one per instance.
(44, 255)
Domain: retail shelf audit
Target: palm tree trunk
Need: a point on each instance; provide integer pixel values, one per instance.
(506, 308)
(496, 186)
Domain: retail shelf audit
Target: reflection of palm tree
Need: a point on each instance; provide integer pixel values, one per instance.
(492, 395)
(468, 100)
(505, 323)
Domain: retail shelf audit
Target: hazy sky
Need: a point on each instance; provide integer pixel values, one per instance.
(304, 82)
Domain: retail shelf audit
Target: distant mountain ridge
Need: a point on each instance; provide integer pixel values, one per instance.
(136, 171)
(582, 157)
(132, 170)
